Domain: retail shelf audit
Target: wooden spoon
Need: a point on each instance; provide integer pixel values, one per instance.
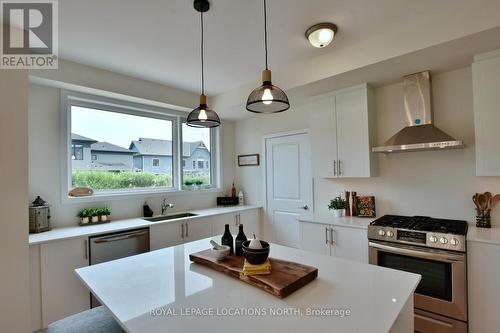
(489, 197)
(482, 201)
(495, 200)
(474, 199)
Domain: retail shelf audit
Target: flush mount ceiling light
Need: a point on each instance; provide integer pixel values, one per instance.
(267, 98)
(202, 116)
(321, 34)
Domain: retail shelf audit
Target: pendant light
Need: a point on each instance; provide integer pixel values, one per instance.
(267, 98)
(202, 116)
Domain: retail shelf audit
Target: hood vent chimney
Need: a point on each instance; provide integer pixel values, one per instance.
(419, 133)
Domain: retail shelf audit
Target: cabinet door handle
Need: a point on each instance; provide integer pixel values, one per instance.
(187, 230)
(326, 235)
(332, 237)
(335, 168)
(86, 251)
(339, 170)
(182, 230)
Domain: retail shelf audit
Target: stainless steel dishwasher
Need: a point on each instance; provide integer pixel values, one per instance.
(115, 246)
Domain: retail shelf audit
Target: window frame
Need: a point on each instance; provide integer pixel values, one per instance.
(215, 160)
(72, 98)
(155, 159)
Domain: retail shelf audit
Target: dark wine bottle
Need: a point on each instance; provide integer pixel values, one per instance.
(227, 238)
(239, 241)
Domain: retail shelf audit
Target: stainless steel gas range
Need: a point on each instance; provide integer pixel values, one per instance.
(435, 249)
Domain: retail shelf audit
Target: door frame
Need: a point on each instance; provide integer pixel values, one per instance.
(264, 170)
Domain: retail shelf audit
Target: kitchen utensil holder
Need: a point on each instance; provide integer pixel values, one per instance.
(483, 218)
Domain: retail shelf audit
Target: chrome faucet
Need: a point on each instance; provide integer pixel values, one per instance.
(165, 206)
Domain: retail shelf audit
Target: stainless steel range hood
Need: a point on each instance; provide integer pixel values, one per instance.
(419, 134)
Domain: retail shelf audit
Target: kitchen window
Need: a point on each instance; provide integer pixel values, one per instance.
(197, 145)
(122, 148)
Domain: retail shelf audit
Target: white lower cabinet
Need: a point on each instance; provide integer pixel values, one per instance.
(250, 219)
(165, 235)
(198, 228)
(220, 221)
(483, 277)
(62, 292)
(315, 238)
(175, 233)
(342, 242)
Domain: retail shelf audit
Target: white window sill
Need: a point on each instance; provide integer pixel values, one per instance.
(122, 195)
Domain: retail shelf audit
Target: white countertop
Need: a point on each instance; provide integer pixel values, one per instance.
(121, 225)
(134, 286)
(483, 235)
(344, 221)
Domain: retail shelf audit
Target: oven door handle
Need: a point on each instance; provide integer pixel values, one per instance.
(421, 253)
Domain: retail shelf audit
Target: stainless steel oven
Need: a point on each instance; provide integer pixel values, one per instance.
(441, 296)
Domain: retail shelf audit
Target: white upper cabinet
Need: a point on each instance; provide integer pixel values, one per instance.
(323, 136)
(342, 126)
(486, 87)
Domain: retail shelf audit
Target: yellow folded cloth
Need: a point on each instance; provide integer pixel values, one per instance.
(264, 268)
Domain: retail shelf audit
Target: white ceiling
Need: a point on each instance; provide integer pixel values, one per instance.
(158, 40)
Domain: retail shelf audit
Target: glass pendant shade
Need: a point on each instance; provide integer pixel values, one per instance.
(203, 116)
(267, 98)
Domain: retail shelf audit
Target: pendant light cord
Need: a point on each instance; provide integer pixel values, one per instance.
(265, 29)
(202, 62)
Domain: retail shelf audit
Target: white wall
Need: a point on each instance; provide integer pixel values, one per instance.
(44, 145)
(439, 184)
(14, 287)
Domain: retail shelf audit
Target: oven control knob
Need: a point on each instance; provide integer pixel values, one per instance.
(381, 232)
(433, 239)
(454, 241)
(390, 233)
(443, 240)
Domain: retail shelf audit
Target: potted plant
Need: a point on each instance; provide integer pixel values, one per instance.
(188, 182)
(104, 213)
(94, 215)
(198, 182)
(84, 215)
(338, 205)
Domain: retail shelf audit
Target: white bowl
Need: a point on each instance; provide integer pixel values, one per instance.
(222, 253)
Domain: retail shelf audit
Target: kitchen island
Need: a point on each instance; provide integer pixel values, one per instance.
(163, 291)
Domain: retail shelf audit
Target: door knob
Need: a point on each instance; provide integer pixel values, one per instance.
(305, 207)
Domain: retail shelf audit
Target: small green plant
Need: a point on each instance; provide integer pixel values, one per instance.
(84, 212)
(198, 182)
(106, 211)
(94, 212)
(188, 182)
(337, 203)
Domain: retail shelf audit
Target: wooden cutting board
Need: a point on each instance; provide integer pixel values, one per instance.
(285, 278)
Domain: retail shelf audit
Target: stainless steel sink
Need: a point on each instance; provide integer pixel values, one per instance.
(169, 217)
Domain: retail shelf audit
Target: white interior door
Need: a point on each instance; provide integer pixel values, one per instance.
(288, 186)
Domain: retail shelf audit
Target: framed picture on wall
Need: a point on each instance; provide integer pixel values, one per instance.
(248, 160)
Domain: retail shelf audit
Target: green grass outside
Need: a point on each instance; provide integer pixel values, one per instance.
(100, 180)
(105, 180)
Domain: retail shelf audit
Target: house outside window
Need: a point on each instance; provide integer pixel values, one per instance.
(112, 144)
(77, 152)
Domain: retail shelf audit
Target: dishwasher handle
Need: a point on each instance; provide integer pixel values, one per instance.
(121, 237)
